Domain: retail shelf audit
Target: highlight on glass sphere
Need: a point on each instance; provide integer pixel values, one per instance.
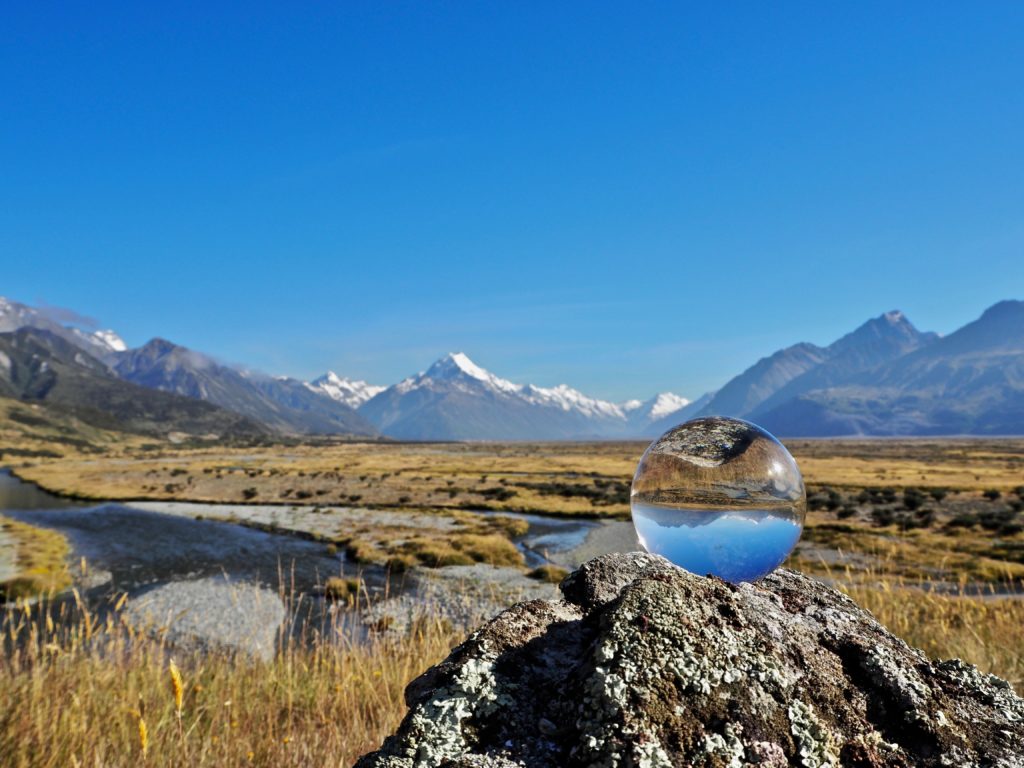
(719, 496)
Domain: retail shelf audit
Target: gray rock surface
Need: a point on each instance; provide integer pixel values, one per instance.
(211, 613)
(643, 664)
(463, 595)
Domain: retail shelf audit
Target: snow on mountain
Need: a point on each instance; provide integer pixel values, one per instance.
(351, 392)
(14, 315)
(462, 373)
(457, 399)
(640, 414)
(569, 399)
(111, 339)
(666, 403)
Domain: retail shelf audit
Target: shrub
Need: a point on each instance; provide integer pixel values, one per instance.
(497, 494)
(338, 588)
(552, 574)
(912, 498)
(846, 511)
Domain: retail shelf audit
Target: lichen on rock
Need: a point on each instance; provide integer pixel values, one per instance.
(644, 664)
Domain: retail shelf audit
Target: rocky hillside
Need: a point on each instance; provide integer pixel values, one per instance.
(643, 664)
(42, 368)
(282, 404)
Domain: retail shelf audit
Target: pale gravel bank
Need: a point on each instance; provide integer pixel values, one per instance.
(213, 613)
(326, 521)
(8, 555)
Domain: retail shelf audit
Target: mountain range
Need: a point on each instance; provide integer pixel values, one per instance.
(883, 378)
(40, 367)
(455, 399)
(284, 405)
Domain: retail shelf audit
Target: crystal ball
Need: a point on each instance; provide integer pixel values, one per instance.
(719, 496)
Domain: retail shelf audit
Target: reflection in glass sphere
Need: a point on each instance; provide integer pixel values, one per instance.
(719, 496)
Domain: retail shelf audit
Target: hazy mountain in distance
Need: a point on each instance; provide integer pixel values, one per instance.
(285, 405)
(39, 366)
(970, 382)
(351, 392)
(743, 393)
(455, 399)
(878, 341)
(97, 343)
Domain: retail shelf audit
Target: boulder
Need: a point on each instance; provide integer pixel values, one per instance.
(643, 664)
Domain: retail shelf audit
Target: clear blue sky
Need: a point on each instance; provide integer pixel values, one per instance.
(623, 197)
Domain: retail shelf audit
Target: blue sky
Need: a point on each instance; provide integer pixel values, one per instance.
(626, 198)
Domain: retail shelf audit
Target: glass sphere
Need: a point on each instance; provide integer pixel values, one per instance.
(719, 497)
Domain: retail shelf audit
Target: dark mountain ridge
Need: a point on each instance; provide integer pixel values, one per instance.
(38, 366)
(285, 405)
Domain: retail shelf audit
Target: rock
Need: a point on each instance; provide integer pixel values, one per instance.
(462, 595)
(644, 664)
(211, 614)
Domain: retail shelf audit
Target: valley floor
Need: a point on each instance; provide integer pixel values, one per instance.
(945, 510)
(926, 534)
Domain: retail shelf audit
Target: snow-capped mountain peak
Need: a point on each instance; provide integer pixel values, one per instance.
(456, 363)
(573, 413)
(111, 339)
(666, 403)
(646, 412)
(97, 343)
(458, 370)
(351, 392)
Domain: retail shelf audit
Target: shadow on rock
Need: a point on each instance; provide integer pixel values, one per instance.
(643, 664)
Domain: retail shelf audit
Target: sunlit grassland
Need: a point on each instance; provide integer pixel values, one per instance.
(40, 556)
(555, 478)
(968, 555)
(76, 689)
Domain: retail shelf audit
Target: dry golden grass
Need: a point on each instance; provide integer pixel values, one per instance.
(960, 554)
(86, 692)
(506, 476)
(961, 463)
(41, 559)
(81, 690)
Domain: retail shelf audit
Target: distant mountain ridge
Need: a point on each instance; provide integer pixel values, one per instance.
(14, 315)
(888, 378)
(40, 367)
(883, 378)
(878, 341)
(455, 399)
(351, 392)
(970, 382)
(283, 404)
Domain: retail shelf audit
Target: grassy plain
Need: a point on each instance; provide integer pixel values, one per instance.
(556, 478)
(887, 518)
(938, 509)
